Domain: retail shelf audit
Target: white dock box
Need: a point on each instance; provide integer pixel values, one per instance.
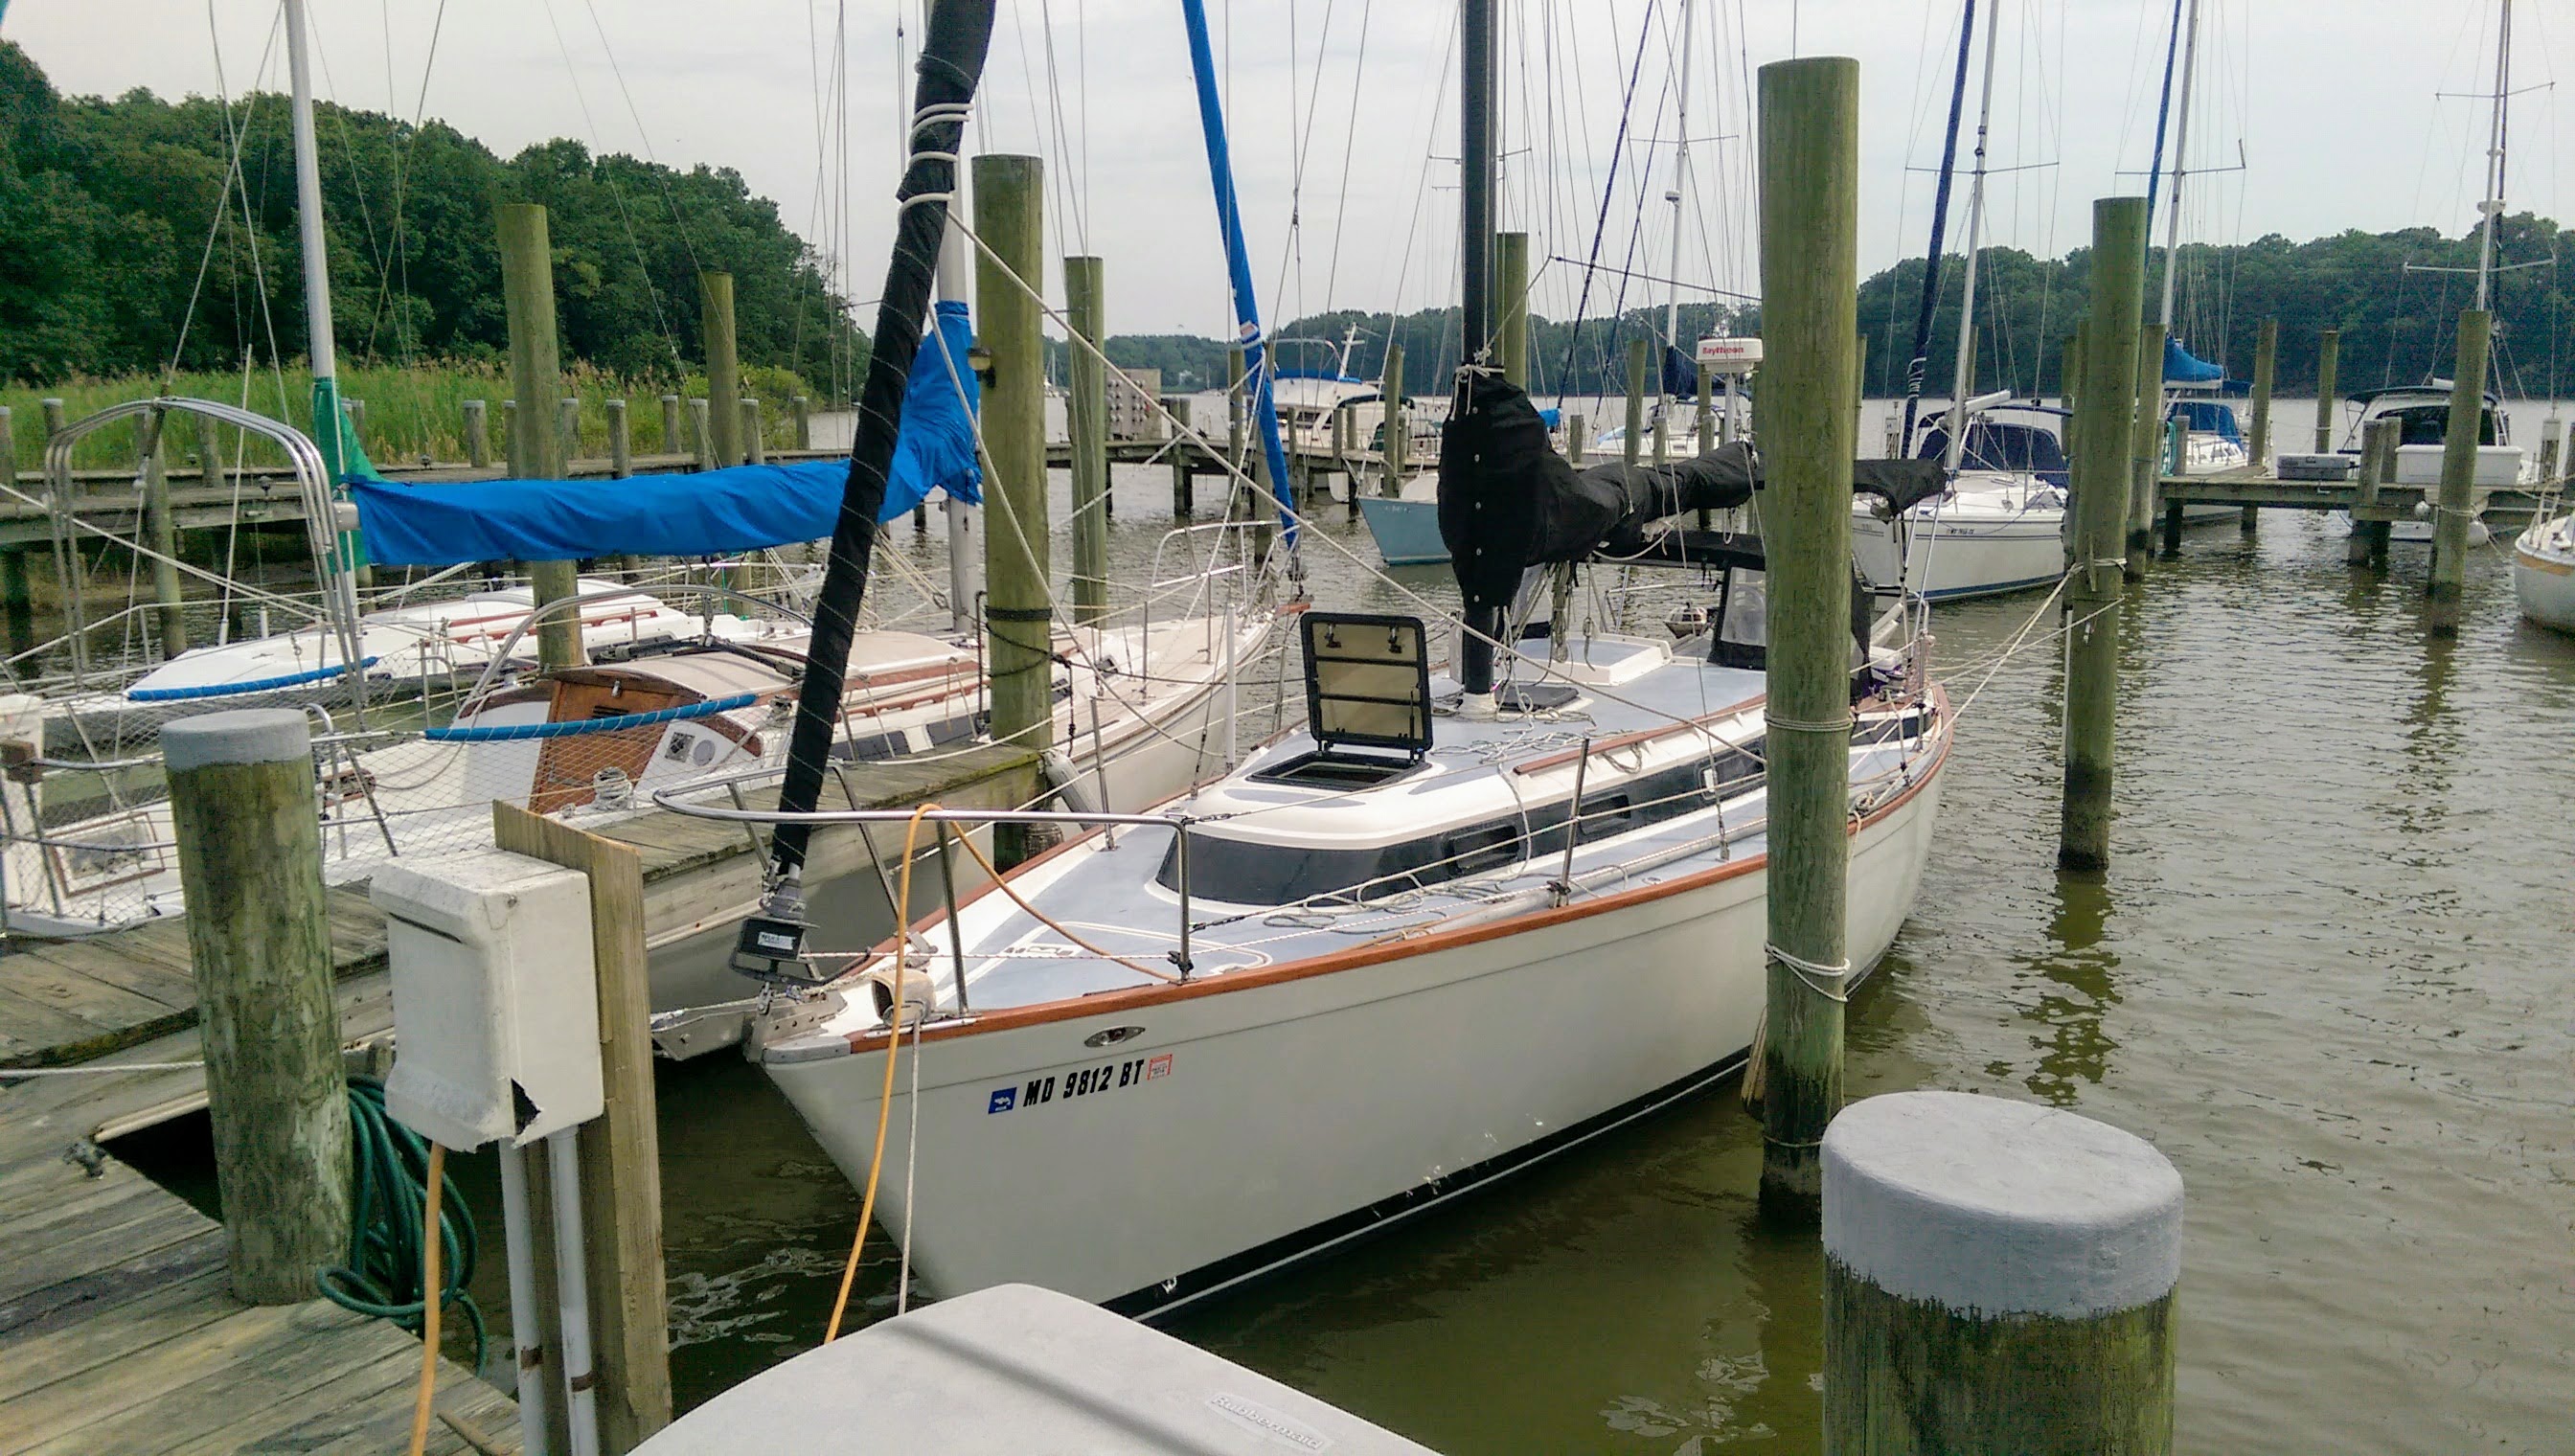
(2420, 464)
(496, 1002)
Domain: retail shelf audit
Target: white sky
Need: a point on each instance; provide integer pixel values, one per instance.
(2330, 106)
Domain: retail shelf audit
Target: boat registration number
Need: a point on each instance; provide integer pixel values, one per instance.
(1090, 1081)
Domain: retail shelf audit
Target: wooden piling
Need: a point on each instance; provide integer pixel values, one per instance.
(2100, 473)
(1810, 171)
(2147, 448)
(1511, 303)
(2176, 447)
(621, 1153)
(621, 443)
(17, 600)
(250, 863)
(675, 433)
(702, 448)
(209, 448)
(536, 385)
(567, 427)
(1234, 413)
(161, 534)
(755, 449)
(2378, 459)
(2266, 362)
(1183, 504)
(1576, 428)
(355, 410)
(1999, 1276)
(802, 410)
(724, 365)
(2456, 505)
(1009, 213)
(52, 410)
(2328, 354)
(1086, 408)
(1639, 351)
(8, 446)
(1391, 477)
(478, 435)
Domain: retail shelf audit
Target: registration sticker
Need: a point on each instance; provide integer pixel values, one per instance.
(1088, 1081)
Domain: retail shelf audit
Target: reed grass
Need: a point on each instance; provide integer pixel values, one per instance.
(413, 416)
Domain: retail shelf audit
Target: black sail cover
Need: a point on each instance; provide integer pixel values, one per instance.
(1508, 501)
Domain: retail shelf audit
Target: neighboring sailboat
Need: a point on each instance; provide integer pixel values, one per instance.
(1999, 524)
(1256, 1004)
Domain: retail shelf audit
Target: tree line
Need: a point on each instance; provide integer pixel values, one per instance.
(2395, 296)
(135, 245)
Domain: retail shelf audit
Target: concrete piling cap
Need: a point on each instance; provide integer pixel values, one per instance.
(1989, 1206)
(244, 736)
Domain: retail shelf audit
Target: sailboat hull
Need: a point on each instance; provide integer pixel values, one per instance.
(1147, 1157)
(2543, 573)
(1962, 554)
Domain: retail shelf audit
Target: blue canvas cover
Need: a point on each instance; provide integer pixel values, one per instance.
(2182, 367)
(741, 507)
(2208, 416)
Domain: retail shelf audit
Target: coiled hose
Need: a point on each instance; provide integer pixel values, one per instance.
(389, 1169)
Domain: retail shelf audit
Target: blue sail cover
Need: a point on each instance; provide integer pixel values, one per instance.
(741, 507)
(2182, 367)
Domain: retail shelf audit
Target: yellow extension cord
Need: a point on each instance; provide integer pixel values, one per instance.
(429, 1305)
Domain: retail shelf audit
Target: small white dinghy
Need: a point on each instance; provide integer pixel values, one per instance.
(1016, 1369)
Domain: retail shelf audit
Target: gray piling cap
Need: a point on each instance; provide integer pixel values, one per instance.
(1989, 1206)
(244, 736)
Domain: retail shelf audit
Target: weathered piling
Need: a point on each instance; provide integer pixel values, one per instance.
(2145, 448)
(536, 384)
(9, 447)
(802, 410)
(2329, 355)
(52, 410)
(478, 435)
(755, 448)
(356, 413)
(567, 427)
(1086, 409)
(1810, 170)
(1183, 503)
(250, 863)
(620, 443)
(160, 534)
(210, 446)
(17, 601)
(675, 433)
(1511, 302)
(1633, 447)
(1009, 214)
(1390, 480)
(1576, 433)
(2368, 541)
(702, 449)
(2456, 505)
(2267, 363)
(2176, 449)
(1999, 1276)
(2101, 484)
(724, 365)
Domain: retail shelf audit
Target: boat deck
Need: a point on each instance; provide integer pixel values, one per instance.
(1013, 959)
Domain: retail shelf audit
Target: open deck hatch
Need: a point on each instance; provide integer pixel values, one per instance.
(1367, 700)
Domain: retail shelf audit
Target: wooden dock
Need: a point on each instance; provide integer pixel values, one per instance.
(2255, 487)
(117, 1333)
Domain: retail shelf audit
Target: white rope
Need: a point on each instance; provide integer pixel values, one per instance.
(1831, 982)
(13, 1073)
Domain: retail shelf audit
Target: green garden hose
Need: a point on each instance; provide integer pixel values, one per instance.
(389, 1164)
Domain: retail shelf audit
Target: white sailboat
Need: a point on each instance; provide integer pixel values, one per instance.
(1444, 933)
(1999, 525)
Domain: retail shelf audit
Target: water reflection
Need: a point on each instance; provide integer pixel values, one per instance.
(2077, 991)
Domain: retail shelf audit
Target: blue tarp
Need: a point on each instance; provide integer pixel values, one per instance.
(2208, 416)
(742, 508)
(2181, 366)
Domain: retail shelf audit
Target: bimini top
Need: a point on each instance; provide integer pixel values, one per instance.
(741, 507)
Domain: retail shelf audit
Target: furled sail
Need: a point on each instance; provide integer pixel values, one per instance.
(1508, 501)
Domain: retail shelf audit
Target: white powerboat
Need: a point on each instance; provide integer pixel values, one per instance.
(2423, 415)
(1999, 526)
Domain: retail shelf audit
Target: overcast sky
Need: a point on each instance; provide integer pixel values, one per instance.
(1343, 114)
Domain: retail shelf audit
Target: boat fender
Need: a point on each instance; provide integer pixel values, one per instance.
(1065, 783)
(920, 997)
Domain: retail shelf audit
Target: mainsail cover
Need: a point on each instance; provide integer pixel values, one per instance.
(1508, 501)
(2183, 367)
(740, 508)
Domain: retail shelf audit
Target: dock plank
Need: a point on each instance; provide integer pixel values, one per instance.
(36, 1033)
(120, 1016)
(145, 1317)
(104, 1392)
(131, 1228)
(174, 986)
